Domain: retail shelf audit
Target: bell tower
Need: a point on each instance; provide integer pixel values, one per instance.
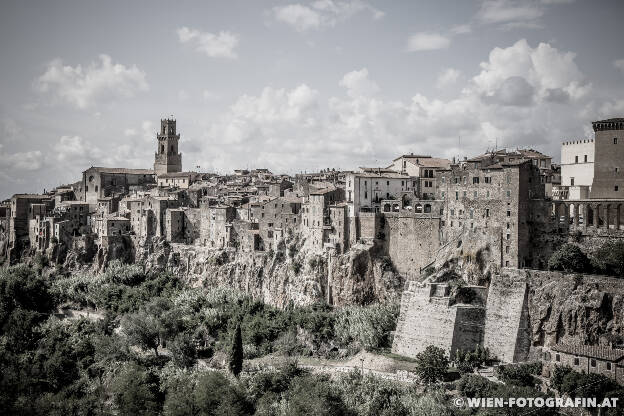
(167, 158)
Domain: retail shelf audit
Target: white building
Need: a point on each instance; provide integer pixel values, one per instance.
(577, 168)
(366, 190)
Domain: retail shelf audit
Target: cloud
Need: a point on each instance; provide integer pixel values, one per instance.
(427, 41)
(619, 64)
(447, 77)
(509, 11)
(11, 164)
(509, 100)
(221, 45)
(358, 83)
(88, 86)
(461, 29)
(321, 13)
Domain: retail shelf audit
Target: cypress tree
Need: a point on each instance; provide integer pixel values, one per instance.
(236, 354)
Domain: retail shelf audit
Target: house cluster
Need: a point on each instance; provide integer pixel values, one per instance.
(507, 194)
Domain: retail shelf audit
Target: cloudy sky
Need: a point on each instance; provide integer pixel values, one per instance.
(298, 85)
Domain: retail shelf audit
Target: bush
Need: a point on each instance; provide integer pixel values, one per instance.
(473, 385)
(519, 374)
(370, 326)
(609, 258)
(569, 258)
(431, 364)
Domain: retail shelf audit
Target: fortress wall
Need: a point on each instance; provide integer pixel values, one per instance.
(411, 242)
(506, 319)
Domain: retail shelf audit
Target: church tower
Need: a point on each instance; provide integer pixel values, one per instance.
(167, 159)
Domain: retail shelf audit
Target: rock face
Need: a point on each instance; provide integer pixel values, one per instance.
(291, 275)
(575, 308)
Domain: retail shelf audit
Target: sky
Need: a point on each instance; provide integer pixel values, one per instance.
(297, 86)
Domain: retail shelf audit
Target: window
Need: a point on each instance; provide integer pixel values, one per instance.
(592, 362)
(508, 213)
(506, 263)
(388, 183)
(452, 212)
(558, 357)
(608, 366)
(365, 194)
(508, 236)
(488, 179)
(456, 195)
(487, 212)
(471, 213)
(616, 188)
(508, 194)
(442, 194)
(615, 140)
(508, 223)
(456, 179)
(465, 194)
(475, 180)
(476, 194)
(575, 159)
(585, 158)
(571, 181)
(487, 194)
(464, 180)
(507, 249)
(576, 361)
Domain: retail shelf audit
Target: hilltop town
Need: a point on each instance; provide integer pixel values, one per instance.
(405, 231)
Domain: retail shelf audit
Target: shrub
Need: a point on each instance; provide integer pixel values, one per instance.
(569, 258)
(367, 326)
(431, 364)
(519, 374)
(609, 258)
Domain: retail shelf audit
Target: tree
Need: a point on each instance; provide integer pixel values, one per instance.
(609, 258)
(183, 350)
(569, 258)
(142, 330)
(431, 364)
(236, 354)
(135, 391)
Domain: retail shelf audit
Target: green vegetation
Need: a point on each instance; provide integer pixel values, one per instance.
(607, 259)
(431, 364)
(569, 258)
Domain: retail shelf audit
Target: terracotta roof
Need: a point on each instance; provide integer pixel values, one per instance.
(411, 156)
(123, 170)
(592, 351)
(431, 162)
(178, 174)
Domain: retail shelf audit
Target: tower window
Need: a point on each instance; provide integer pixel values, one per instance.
(575, 159)
(162, 148)
(585, 158)
(615, 140)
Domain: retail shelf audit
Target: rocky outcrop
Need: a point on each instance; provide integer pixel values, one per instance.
(290, 275)
(575, 308)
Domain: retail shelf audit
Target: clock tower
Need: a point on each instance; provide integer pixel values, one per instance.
(167, 158)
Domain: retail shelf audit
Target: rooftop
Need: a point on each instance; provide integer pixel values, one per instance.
(122, 170)
(592, 351)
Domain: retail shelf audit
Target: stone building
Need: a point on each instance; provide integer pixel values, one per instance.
(182, 225)
(316, 216)
(365, 190)
(25, 207)
(180, 180)
(98, 182)
(609, 159)
(590, 359)
(499, 203)
(167, 159)
(593, 168)
(423, 168)
(216, 225)
(112, 226)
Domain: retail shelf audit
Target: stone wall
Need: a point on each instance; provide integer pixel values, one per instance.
(411, 241)
(506, 319)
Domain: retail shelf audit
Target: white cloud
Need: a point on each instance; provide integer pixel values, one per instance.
(358, 83)
(461, 29)
(221, 45)
(14, 163)
(427, 41)
(85, 87)
(321, 13)
(447, 77)
(509, 11)
(619, 64)
(523, 95)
